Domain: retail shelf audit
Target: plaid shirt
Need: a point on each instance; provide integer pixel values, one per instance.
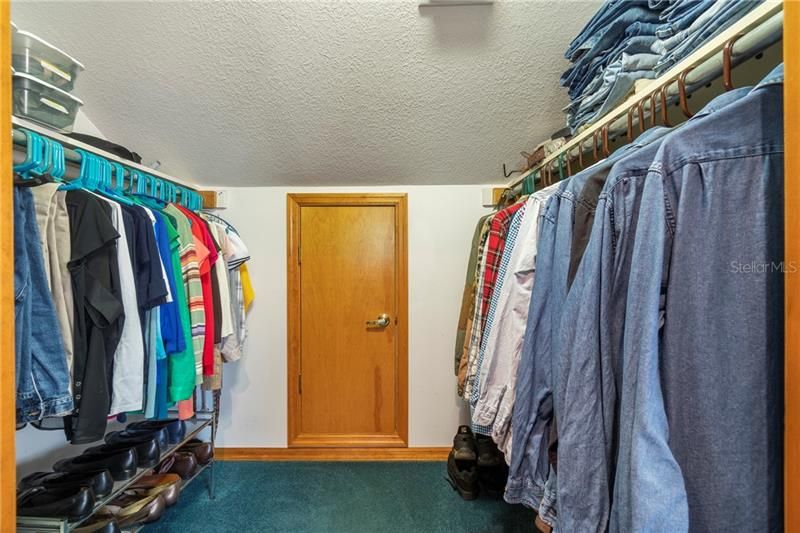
(474, 371)
(494, 253)
(472, 333)
(473, 346)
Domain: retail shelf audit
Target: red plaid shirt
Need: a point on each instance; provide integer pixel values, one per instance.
(495, 244)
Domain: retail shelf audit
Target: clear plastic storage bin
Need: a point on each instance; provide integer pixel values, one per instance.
(35, 56)
(44, 103)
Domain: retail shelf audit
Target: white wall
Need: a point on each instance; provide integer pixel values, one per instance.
(441, 221)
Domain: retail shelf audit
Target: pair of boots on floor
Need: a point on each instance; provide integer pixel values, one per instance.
(476, 465)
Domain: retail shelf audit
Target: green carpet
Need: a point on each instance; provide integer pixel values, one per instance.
(336, 497)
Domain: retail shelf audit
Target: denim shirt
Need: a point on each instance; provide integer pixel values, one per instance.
(700, 442)
(529, 468)
(591, 335)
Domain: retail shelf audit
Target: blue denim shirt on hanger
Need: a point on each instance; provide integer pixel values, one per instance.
(533, 406)
(703, 350)
(591, 336)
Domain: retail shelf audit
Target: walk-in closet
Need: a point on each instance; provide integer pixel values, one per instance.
(400, 266)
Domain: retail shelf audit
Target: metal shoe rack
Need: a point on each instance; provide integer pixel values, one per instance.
(204, 417)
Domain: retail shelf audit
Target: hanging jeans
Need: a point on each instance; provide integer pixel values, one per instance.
(42, 375)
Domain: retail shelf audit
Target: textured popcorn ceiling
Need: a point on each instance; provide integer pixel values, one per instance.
(319, 93)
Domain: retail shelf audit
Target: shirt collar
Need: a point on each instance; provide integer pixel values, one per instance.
(773, 78)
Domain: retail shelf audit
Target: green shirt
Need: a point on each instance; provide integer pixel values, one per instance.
(182, 373)
(194, 290)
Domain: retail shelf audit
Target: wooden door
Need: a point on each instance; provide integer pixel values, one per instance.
(8, 504)
(347, 320)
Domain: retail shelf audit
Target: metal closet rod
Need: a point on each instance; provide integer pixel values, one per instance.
(71, 156)
(751, 35)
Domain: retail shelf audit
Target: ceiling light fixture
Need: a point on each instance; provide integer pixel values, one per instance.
(456, 3)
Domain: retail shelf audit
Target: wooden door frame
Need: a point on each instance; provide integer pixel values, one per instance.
(791, 103)
(294, 202)
(8, 461)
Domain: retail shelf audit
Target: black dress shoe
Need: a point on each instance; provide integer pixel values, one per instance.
(147, 451)
(175, 428)
(133, 434)
(121, 463)
(100, 481)
(70, 503)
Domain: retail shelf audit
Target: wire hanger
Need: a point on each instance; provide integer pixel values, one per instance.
(224, 222)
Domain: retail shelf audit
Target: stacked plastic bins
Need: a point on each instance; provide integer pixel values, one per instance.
(44, 77)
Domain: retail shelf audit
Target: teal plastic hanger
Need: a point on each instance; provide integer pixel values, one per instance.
(44, 163)
(34, 156)
(185, 199)
(528, 186)
(84, 176)
(170, 192)
(134, 176)
(107, 170)
(197, 201)
(119, 179)
(160, 192)
(139, 183)
(52, 163)
(93, 178)
(58, 163)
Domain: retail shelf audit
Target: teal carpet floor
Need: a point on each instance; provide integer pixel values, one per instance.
(318, 497)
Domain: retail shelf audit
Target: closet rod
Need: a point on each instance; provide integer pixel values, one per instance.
(21, 140)
(755, 32)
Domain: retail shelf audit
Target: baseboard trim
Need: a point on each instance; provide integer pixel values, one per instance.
(332, 454)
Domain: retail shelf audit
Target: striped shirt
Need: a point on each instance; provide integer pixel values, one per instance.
(194, 289)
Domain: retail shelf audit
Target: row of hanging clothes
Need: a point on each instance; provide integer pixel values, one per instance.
(621, 334)
(127, 298)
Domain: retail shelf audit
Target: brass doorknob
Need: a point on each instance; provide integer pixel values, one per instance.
(382, 322)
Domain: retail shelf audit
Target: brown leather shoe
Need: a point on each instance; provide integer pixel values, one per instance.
(201, 450)
(130, 509)
(104, 525)
(182, 463)
(168, 485)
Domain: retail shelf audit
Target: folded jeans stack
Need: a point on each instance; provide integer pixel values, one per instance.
(609, 55)
(629, 41)
(687, 24)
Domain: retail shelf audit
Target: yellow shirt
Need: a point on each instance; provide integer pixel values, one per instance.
(247, 287)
